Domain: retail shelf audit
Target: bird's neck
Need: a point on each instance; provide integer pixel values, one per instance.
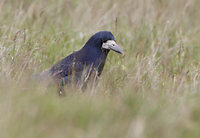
(93, 52)
(105, 51)
(95, 56)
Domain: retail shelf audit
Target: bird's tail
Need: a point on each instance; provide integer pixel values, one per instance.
(42, 77)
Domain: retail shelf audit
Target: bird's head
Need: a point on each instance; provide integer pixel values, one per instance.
(105, 41)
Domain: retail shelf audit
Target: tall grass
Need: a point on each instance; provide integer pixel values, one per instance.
(153, 91)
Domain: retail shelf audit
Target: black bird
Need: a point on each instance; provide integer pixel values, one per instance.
(85, 64)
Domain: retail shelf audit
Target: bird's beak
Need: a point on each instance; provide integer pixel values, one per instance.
(112, 45)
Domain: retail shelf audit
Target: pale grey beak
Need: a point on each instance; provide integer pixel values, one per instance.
(112, 45)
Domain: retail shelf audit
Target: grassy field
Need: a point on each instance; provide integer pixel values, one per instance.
(151, 92)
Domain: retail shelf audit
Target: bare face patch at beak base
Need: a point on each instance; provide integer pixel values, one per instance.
(112, 45)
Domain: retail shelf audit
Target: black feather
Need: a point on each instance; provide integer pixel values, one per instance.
(79, 66)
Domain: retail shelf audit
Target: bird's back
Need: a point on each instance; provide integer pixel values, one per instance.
(67, 66)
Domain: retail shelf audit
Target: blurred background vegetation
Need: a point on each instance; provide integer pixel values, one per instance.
(153, 91)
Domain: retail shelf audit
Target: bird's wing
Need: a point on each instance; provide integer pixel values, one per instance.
(66, 67)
